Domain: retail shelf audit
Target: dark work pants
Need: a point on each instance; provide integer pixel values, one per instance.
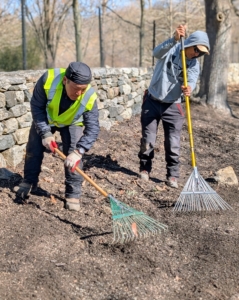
(34, 157)
(172, 117)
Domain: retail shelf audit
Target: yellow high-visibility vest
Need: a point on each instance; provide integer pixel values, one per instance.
(73, 115)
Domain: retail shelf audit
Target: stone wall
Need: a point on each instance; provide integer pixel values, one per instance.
(119, 98)
(233, 74)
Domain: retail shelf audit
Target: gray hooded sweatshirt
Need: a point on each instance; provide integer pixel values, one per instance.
(168, 76)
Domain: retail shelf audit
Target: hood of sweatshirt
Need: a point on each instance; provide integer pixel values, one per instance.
(197, 38)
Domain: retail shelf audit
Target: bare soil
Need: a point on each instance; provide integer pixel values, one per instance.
(47, 252)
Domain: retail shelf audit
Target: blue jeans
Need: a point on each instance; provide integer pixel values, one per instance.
(35, 152)
(172, 117)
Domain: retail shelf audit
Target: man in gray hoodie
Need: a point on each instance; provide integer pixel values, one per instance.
(162, 100)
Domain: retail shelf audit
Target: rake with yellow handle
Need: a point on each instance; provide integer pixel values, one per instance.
(197, 194)
(128, 223)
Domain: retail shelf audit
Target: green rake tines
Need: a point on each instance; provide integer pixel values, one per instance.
(128, 223)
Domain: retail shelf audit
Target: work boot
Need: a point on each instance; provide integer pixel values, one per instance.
(72, 204)
(172, 182)
(24, 189)
(144, 175)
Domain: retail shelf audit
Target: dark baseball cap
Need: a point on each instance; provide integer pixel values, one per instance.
(79, 73)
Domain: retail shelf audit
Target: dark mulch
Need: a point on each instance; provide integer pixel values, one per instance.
(47, 252)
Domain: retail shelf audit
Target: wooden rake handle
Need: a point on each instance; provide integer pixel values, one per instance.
(99, 189)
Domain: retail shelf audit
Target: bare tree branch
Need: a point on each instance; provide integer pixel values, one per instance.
(48, 24)
(37, 31)
(126, 21)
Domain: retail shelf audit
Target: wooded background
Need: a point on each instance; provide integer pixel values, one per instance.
(106, 33)
(51, 36)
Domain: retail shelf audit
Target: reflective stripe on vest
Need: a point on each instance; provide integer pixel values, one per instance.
(79, 115)
(74, 114)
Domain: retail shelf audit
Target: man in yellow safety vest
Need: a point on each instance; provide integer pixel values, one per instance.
(63, 100)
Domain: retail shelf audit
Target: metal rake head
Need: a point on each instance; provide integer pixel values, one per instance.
(130, 224)
(197, 195)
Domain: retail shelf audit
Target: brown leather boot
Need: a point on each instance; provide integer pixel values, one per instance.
(72, 204)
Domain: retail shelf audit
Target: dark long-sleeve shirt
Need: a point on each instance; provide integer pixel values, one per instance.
(39, 115)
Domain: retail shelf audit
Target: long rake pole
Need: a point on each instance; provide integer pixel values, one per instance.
(197, 194)
(99, 189)
(128, 223)
(188, 112)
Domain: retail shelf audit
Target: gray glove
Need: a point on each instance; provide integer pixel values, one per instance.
(24, 189)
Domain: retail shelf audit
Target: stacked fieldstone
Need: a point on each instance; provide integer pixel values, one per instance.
(119, 93)
(119, 97)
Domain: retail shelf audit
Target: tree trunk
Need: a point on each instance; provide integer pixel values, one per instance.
(213, 86)
(24, 44)
(101, 40)
(141, 33)
(77, 25)
(48, 38)
(104, 4)
(186, 14)
(171, 17)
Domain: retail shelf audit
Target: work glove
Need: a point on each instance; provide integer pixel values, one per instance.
(24, 189)
(50, 143)
(72, 160)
